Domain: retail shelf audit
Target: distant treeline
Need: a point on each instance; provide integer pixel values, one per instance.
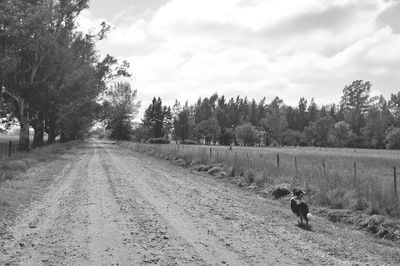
(359, 120)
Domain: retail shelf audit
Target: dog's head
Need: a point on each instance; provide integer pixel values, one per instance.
(298, 193)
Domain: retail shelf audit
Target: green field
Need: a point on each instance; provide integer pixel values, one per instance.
(7, 138)
(359, 179)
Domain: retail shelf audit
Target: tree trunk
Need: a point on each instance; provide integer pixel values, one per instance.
(24, 125)
(38, 139)
(51, 131)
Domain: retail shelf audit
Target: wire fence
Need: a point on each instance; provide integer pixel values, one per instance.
(11, 149)
(370, 174)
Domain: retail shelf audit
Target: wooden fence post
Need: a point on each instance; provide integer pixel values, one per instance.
(210, 153)
(295, 164)
(277, 160)
(323, 164)
(395, 181)
(9, 148)
(355, 172)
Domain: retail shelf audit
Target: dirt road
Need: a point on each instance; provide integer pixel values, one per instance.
(112, 206)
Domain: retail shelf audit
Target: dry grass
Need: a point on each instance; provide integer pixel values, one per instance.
(18, 187)
(11, 168)
(328, 175)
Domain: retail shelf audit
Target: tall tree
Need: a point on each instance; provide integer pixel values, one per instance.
(394, 107)
(377, 120)
(27, 39)
(182, 125)
(323, 126)
(253, 113)
(208, 130)
(158, 118)
(119, 110)
(312, 111)
(302, 115)
(355, 101)
(340, 134)
(275, 121)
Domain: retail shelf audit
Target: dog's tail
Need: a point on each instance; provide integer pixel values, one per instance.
(309, 216)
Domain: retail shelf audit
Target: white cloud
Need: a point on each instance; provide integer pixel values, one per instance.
(313, 48)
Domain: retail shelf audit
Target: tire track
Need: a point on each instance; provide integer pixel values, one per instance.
(155, 241)
(211, 249)
(41, 233)
(106, 229)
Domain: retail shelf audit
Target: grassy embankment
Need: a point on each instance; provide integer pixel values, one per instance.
(358, 180)
(18, 186)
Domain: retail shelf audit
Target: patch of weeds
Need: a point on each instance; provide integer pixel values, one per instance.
(250, 176)
(267, 179)
(358, 204)
(280, 191)
(259, 180)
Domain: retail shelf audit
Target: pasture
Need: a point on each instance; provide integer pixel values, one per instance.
(7, 138)
(358, 179)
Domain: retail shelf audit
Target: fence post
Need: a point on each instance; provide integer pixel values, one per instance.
(323, 164)
(248, 161)
(210, 153)
(277, 160)
(9, 148)
(395, 181)
(295, 164)
(355, 172)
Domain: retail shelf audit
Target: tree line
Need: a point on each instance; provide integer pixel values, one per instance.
(358, 120)
(51, 76)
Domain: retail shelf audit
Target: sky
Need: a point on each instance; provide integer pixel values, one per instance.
(186, 49)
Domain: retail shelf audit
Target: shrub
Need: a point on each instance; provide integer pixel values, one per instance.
(159, 141)
(247, 134)
(393, 139)
(189, 142)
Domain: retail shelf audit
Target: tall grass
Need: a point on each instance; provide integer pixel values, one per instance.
(338, 178)
(20, 162)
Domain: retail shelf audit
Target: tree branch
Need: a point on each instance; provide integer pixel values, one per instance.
(12, 95)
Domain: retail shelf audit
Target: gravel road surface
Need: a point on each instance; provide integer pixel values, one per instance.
(112, 206)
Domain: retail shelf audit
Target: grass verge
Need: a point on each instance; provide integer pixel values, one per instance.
(24, 179)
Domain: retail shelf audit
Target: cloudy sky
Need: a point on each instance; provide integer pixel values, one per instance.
(186, 49)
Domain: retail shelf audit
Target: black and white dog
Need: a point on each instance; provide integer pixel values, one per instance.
(299, 207)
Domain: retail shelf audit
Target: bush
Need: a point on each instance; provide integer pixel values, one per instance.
(393, 139)
(247, 134)
(159, 141)
(189, 142)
